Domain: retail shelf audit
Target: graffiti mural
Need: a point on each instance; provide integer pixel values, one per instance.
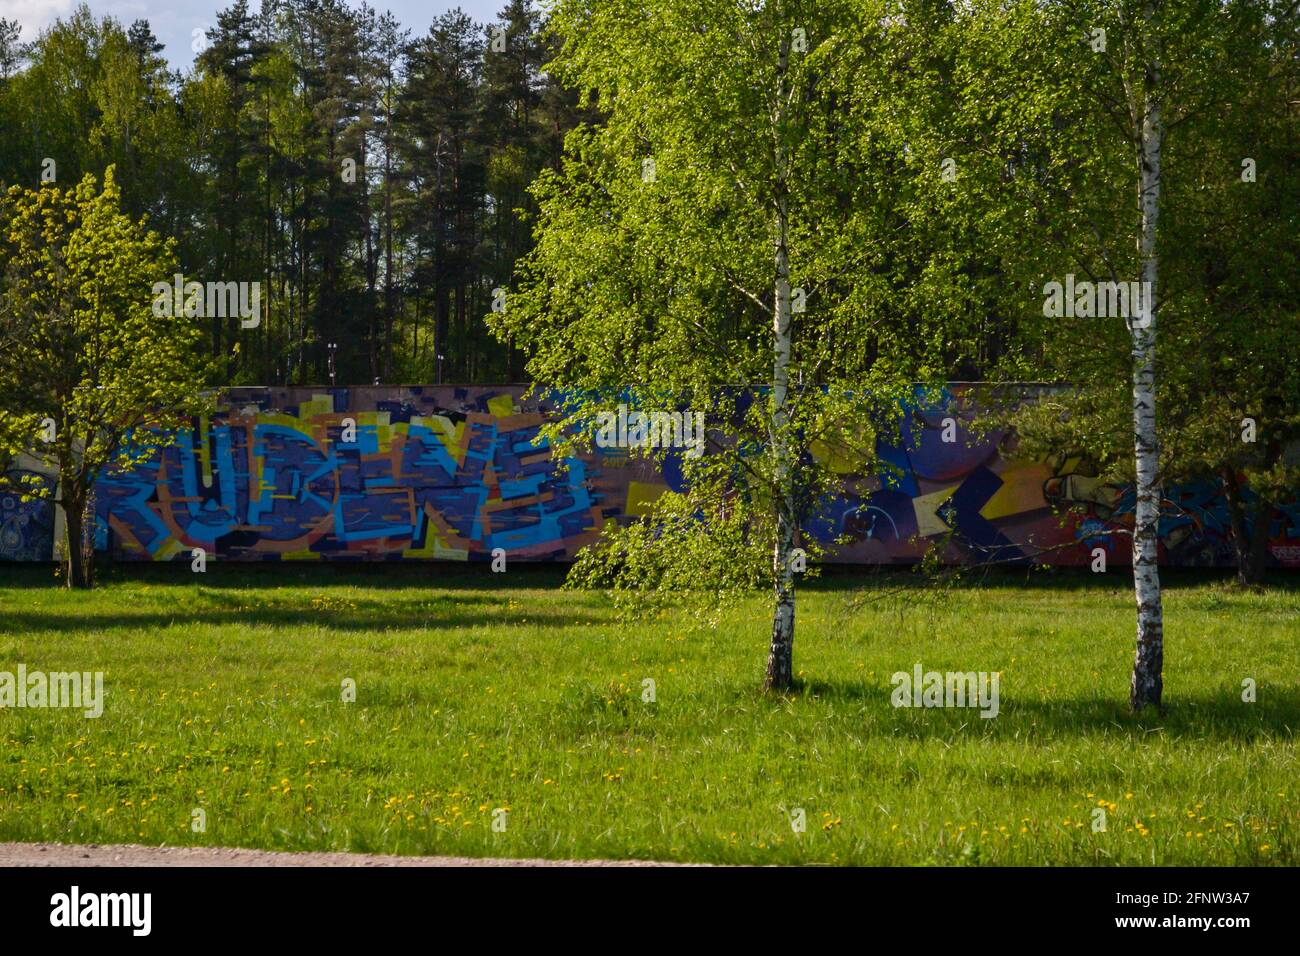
(26, 527)
(976, 499)
(367, 474)
(407, 473)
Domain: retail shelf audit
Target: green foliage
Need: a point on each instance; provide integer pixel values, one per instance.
(81, 351)
(1041, 126)
(682, 555)
(241, 159)
(726, 128)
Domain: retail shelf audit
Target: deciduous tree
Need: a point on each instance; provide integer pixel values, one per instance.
(86, 367)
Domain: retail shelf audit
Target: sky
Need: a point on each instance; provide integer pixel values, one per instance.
(174, 21)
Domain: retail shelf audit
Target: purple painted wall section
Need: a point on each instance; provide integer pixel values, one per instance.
(454, 472)
(26, 527)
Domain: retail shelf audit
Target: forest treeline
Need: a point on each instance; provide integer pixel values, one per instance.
(372, 179)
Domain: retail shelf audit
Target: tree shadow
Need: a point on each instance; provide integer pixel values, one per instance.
(460, 613)
(381, 575)
(1221, 717)
(845, 578)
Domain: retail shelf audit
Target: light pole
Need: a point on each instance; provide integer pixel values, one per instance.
(333, 347)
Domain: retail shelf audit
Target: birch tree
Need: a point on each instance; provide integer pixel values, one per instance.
(1145, 112)
(780, 658)
(1074, 128)
(738, 218)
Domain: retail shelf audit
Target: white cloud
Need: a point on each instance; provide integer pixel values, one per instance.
(34, 15)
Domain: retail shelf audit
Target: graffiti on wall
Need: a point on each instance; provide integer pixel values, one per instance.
(26, 523)
(357, 474)
(393, 473)
(973, 496)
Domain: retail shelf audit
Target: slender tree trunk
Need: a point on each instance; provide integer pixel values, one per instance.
(88, 540)
(1249, 529)
(268, 267)
(462, 334)
(372, 292)
(1258, 522)
(1148, 662)
(75, 555)
(388, 243)
(1259, 515)
(780, 659)
(442, 328)
(1252, 542)
(1239, 522)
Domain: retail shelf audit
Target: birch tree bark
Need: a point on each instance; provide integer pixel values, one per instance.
(780, 659)
(1147, 684)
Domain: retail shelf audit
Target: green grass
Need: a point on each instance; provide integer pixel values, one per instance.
(478, 691)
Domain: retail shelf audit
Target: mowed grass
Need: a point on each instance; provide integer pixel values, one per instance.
(477, 692)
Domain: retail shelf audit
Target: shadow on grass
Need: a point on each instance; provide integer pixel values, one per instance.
(1223, 717)
(523, 575)
(839, 578)
(382, 575)
(405, 620)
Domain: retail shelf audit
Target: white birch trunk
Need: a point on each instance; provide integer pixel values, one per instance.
(780, 660)
(1148, 661)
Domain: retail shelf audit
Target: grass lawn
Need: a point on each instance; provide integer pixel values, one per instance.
(477, 691)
